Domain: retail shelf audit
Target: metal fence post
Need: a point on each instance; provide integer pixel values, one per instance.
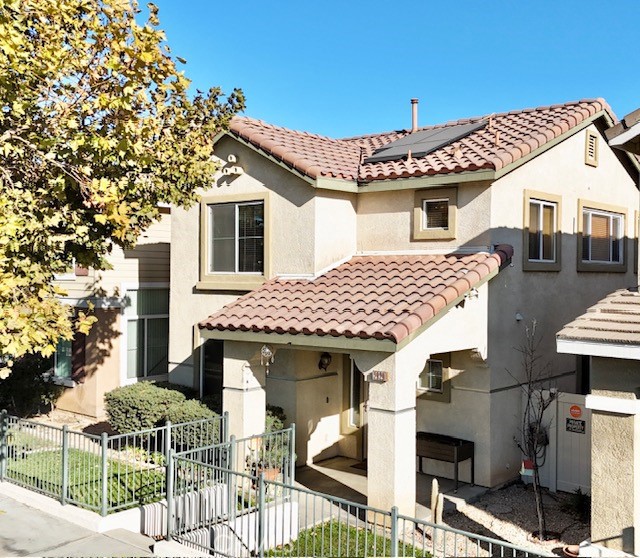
(4, 432)
(225, 426)
(104, 447)
(65, 464)
(292, 453)
(167, 440)
(169, 483)
(261, 514)
(230, 467)
(394, 532)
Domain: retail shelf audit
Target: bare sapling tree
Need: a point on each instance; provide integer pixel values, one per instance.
(533, 437)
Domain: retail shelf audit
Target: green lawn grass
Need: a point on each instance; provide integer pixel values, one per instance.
(335, 539)
(128, 486)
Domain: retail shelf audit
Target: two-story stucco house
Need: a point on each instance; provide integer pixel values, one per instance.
(377, 286)
(130, 340)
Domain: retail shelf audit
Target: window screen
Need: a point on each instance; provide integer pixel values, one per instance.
(63, 365)
(436, 214)
(602, 237)
(542, 231)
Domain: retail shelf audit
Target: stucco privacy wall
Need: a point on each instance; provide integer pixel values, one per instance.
(552, 298)
(385, 219)
(615, 454)
(102, 367)
(308, 231)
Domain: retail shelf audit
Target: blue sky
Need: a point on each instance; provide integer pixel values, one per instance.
(342, 68)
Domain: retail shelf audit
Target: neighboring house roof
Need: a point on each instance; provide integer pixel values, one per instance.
(505, 139)
(369, 297)
(614, 319)
(625, 134)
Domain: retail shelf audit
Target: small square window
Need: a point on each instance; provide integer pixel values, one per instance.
(434, 214)
(431, 378)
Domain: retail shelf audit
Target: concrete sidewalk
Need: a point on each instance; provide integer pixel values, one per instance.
(26, 531)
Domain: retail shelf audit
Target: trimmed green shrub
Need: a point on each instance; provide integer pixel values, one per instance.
(187, 391)
(193, 435)
(139, 406)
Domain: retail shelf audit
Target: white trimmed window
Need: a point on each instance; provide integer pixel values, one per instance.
(237, 237)
(431, 378)
(435, 214)
(147, 316)
(602, 238)
(542, 231)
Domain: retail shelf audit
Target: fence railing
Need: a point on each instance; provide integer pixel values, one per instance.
(229, 513)
(100, 473)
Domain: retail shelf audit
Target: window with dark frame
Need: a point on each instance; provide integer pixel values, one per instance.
(602, 237)
(435, 214)
(237, 237)
(542, 231)
(431, 378)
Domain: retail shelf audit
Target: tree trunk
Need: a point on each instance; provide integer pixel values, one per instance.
(542, 523)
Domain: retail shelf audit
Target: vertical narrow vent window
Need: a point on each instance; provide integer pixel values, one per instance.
(591, 149)
(542, 231)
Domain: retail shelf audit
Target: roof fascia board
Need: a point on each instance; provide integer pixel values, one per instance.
(609, 404)
(302, 341)
(273, 159)
(584, 124)
(593, 348)
(444, 311)
(336, 184)
(427, 181)
(628, 135)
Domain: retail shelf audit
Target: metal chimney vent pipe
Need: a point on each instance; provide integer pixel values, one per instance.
(414, 115)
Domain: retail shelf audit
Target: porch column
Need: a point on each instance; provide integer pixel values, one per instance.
(243, 394)
(391, 435)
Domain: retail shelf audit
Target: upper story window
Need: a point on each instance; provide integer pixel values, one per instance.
(237, 237)
(234, 241)
(602, 234)
(602, 237)
(542, 235)
(434, 214)
(542, 229)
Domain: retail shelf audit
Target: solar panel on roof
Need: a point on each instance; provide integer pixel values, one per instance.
(423, 142)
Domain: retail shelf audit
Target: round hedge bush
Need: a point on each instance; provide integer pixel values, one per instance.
(139, 406)
(192, 435)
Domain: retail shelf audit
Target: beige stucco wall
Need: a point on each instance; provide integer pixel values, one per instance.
(102, 367)
(385, 220)
(308, 231)
(555, 298)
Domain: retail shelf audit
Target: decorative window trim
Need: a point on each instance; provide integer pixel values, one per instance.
(527, 264)
(602, 266)
(591, 148)
(443, 396)
(232, 281)
(422, 233)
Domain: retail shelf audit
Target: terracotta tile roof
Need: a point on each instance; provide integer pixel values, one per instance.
(614, 319)
(370, 297)
(508, 137)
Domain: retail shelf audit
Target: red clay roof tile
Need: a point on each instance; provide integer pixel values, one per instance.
(370, 297)
(505, 139)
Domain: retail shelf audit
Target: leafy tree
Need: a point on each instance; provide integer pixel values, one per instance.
(96, 129)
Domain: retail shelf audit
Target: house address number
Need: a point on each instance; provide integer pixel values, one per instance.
(576, 426)
(380, 376)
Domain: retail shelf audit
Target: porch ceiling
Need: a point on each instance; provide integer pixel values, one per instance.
(385, 298)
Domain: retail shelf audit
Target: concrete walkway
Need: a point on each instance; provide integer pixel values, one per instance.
(26, 531)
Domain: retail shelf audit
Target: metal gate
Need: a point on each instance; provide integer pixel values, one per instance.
(567, 462)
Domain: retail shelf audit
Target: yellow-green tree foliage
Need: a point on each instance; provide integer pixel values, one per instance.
(96, 129)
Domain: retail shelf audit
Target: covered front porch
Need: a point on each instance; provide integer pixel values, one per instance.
(352, 355)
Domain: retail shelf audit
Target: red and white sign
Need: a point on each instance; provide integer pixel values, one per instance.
(575, 411)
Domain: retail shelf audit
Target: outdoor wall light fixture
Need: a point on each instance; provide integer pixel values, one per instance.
(266, 357)
(325, 361)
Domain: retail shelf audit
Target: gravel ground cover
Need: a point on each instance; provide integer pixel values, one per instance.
(509, 514)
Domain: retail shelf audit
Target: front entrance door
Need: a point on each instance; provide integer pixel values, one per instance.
(211, 372)
(358, 406)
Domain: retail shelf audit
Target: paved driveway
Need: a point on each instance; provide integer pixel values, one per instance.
(25, 531)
